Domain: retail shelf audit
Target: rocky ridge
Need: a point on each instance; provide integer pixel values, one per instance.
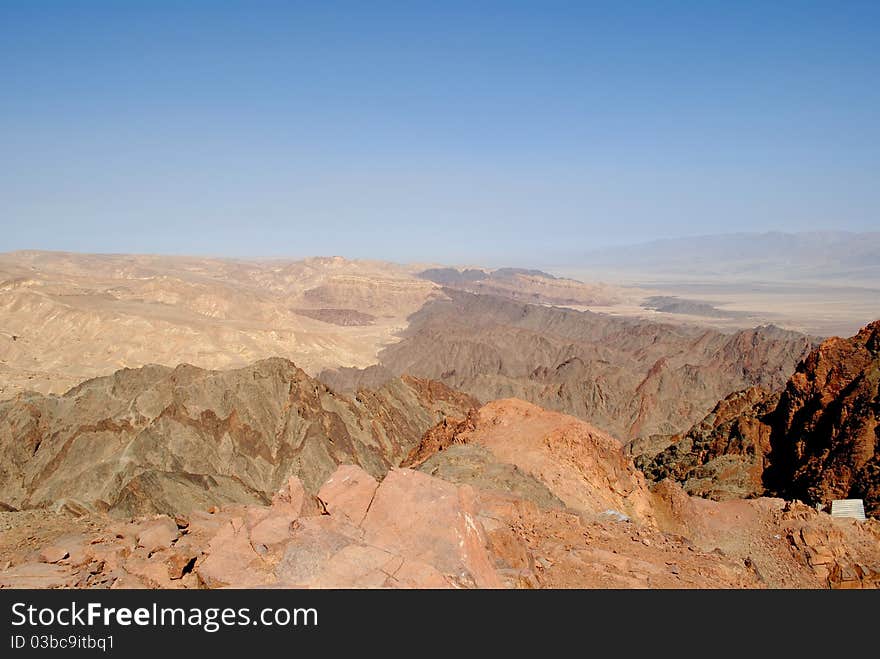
(157, 439)
(630, 378)
(412, 530)
(816, 439)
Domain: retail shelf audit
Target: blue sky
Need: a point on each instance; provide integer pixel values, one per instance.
(491, 132)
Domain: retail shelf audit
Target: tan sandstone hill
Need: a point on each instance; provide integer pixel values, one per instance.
(67, 317)
(526, 285)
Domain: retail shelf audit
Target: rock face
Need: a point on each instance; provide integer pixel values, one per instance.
(628, 377)
(785, 544)
(411, 531)
(431, 521)
(348, 493)
(826, 443)
(157, 439)
(816, 440)
(723, 456)
(476, 465)
(824, 549)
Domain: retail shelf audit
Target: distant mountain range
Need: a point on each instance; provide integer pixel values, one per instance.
(776, 256)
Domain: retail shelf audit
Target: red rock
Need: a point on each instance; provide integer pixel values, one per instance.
(53, 554)
(358, 566)
(37, 575)
(506, 548)
(348, 493)
(293, 494)
(108, 554)
(431, 521)
(152, 572)
(232, 561)
(582, 466)
(273, 529)
(177, 561)
(825, 440)
(363, 566)
(256, 514)
(77, 551)
(205, 523)
(413, 574)
(314, 540)
(127, 581)
(157, 534)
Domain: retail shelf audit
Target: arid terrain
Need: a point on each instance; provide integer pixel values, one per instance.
(628, 376)
(518, 498)
(815, 439)
(67, 317)
(176, 422)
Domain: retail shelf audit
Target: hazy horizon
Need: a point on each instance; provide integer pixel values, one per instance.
(561, 259)
(493, 134)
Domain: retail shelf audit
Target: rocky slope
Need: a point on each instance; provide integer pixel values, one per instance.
(506, 496)
(723, 456)
(817, 439)
(826, 441)
(65, 317)
(413, 530)
(157, 439)
(264, 477)
(630, 378)
(579, 465)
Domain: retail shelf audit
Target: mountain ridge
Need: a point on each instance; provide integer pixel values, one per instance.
(628, 377)
(213, 436)
(816, 438)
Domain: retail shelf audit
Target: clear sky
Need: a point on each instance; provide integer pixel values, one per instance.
(484, 132)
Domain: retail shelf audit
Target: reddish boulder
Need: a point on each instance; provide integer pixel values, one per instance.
(53, 554)
(428, 520)
(232, 561)
(292, 495)
(157, 534)
(348, 493)
(314, 540)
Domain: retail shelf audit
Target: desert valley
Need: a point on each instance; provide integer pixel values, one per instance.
(192, 422)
